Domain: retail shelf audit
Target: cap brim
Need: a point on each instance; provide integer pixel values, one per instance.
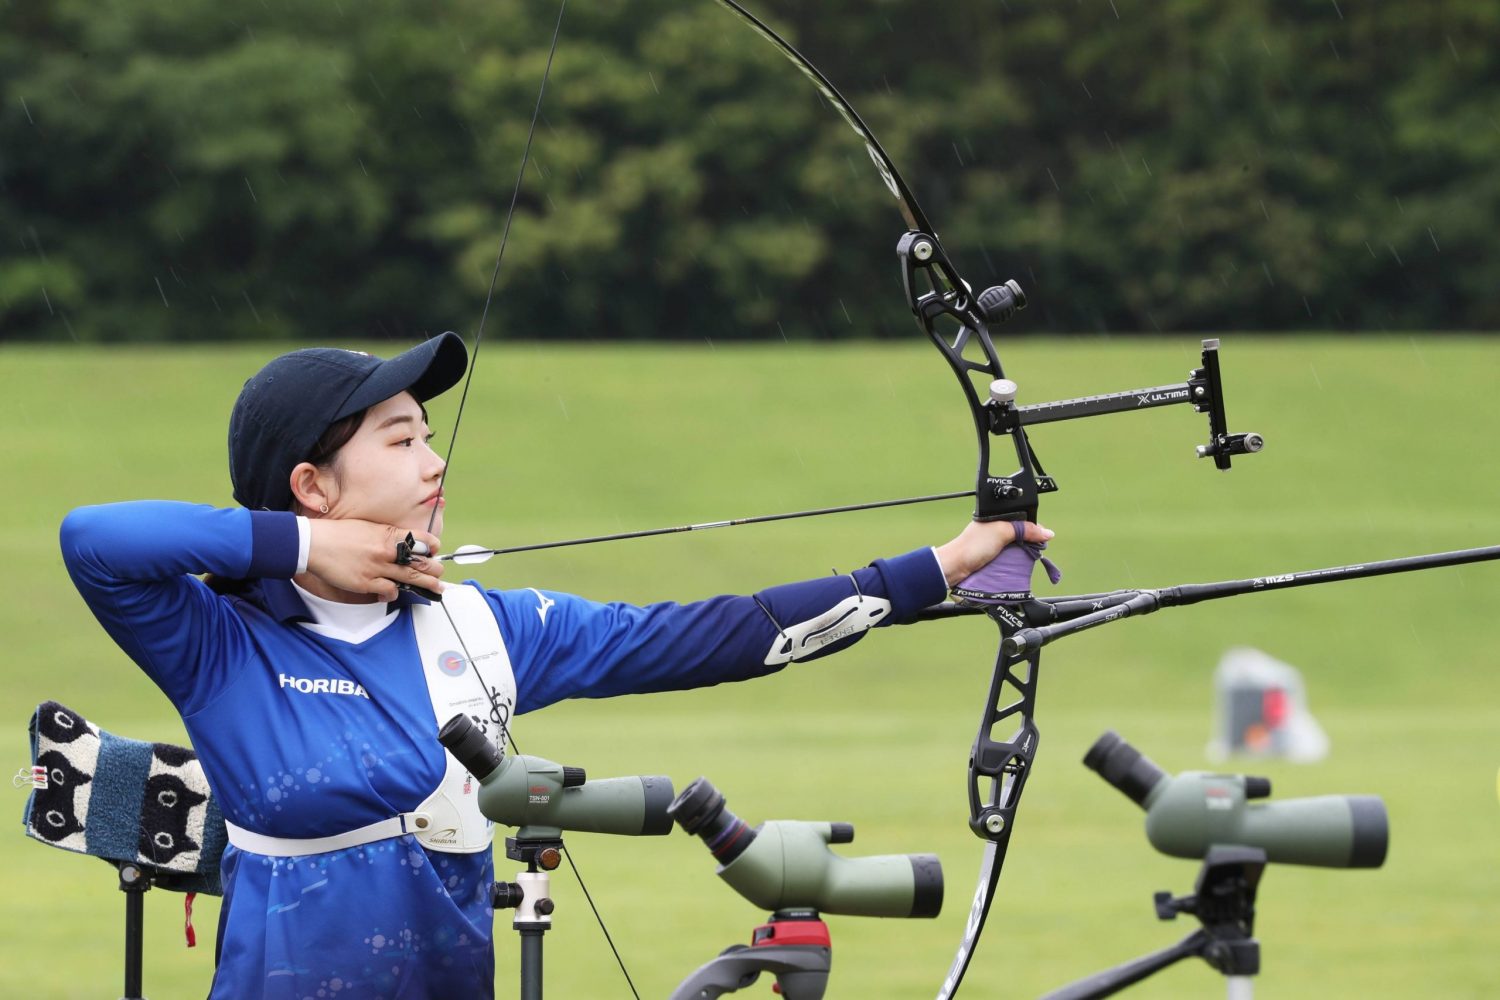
(427, 370)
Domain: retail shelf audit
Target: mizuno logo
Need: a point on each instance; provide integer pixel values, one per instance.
(546, 604)
(323, 685)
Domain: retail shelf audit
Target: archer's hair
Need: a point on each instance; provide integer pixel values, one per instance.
(335, 437)
(322, 455)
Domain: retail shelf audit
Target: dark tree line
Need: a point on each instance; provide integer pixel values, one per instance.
(183, 170)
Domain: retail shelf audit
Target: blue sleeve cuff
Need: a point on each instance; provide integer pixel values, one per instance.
(914, 581)
(274, 545)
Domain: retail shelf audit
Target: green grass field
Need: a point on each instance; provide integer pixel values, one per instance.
(1376, 448)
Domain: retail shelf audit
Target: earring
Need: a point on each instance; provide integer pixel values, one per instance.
(323, 508)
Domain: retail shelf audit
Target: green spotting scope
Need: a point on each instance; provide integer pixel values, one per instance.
(1196, 810)
(543, 798)
(786, 864)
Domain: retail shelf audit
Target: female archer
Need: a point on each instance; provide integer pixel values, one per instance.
(312, 675)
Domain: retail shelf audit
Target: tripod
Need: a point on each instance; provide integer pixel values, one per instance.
(793, 945)
(135, 881)
(1224, 903)
(529, 895)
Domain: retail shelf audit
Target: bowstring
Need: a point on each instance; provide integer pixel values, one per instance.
(463, 399)
(515, 197)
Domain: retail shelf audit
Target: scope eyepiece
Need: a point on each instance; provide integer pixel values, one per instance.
(1123, 766)
(699, 810)
(466, 742)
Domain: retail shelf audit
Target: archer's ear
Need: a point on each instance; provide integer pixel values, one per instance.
(312, 487)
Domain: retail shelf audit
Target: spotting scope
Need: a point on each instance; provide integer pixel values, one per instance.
(786, 864)
(1195, 810)
(541, 796)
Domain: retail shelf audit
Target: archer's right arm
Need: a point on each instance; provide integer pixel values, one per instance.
(136, 564)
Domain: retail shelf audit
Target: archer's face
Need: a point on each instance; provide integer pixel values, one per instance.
(386, 472)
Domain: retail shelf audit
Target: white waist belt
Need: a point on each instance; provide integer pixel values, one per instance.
(296, 847)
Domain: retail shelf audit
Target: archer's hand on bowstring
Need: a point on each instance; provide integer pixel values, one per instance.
(360, 557)
(980, 543)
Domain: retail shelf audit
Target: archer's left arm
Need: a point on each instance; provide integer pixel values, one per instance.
(563, 646)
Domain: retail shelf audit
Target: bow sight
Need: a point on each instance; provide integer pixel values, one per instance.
(949, 299)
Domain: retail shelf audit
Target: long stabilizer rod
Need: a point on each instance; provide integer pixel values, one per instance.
(1144, 602)
(469, 554)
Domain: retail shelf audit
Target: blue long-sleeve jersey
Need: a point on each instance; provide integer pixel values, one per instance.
(303, 760)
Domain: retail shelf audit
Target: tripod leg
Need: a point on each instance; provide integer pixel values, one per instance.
(1111, 981)
(531, 962)
(133, 883)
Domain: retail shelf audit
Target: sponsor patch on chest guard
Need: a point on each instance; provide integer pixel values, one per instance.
(323, 685)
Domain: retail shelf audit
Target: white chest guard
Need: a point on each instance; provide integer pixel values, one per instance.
(449, 819)
(456, 686)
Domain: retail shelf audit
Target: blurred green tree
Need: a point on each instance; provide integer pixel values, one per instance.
(187, 171)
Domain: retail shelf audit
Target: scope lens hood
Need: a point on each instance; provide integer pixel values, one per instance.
(1370, 834)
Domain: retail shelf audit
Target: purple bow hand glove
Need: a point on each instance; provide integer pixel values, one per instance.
(1008, 576)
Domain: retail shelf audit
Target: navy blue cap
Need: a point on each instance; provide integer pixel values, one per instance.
(287, 406)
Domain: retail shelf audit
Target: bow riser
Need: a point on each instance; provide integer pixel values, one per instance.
(951, 302)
